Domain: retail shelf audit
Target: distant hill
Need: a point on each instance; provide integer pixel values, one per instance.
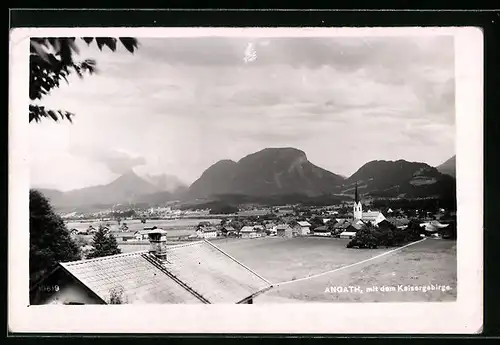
(165, 182)
(271, 171)
(271, 176)
(448, 167)
(127, 188)
(400, 179)
(51, 194)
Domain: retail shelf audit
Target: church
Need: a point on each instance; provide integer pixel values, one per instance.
(373, 217)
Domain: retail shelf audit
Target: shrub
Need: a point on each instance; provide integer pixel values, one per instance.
(386, 235)
(116, 296)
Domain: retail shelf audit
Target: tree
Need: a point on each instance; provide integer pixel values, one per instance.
(413, 230)
(365, 238)
(50, 240)
(51, 60)
(116, 296)
(104, 244)
(331, 224)
(316, 222)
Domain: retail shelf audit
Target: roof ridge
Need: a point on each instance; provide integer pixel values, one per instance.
(102, 258)
(175, 246)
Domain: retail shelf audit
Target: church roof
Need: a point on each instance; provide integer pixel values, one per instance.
(371, 215)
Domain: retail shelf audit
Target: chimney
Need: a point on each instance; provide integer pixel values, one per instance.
(158, 243)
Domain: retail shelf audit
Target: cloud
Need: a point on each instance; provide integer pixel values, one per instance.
(181, 104)
(118, 162)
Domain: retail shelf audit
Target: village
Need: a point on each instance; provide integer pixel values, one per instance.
(193, 264)
(288, 221)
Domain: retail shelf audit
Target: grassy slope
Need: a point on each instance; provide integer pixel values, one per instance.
(429, 262)
(278, 259)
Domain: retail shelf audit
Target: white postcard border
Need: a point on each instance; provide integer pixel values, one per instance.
(463, 316)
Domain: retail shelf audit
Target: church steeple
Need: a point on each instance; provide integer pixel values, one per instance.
(356, 198)
(358, 208)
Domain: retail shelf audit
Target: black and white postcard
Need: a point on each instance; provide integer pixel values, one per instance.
(166, 179)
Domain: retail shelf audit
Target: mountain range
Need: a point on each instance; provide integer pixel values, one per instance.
(448, 167)
(267, 173)
(127, 188)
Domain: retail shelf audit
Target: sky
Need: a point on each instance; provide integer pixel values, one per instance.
(179, 105)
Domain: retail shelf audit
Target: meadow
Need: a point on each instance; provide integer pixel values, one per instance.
(281, 259)
(134, 225)
(289, 260)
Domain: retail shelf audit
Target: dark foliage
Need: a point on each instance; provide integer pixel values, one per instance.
(221, 208)
(271, 200)
(50, 240)
(392, 178)
(316, 222)
(51, 61)
(385, 234)
(104, 244)
(425, 205)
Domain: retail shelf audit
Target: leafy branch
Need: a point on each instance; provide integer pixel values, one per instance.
(51, 61)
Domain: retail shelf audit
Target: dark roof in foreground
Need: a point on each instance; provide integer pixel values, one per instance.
(197, 272)
(141, 281)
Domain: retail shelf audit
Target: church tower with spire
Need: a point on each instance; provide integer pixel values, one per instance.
(358, 209)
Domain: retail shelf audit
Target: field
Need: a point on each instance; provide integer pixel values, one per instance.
(134, 225)
(289, 260)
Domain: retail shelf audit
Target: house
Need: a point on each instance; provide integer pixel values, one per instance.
(340, 226)
(75, 232)
(399, 222)
(284, 230)
(302, 228)
(322, 231)
(326, 220)
(354, 226)
(207, 232)
(203, 224)
(259, 227)
(433, 226)
(260, 231)
(228, 231)
(248, 232)
(126, 236)
(348, 234)
(142, 235)
(270, 226)
(190, 273)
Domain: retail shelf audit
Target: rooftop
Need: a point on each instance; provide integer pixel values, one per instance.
(197, 272)
(141, 281)
(247, 229)
(283, 227)
(207, 229)
(371, 215)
